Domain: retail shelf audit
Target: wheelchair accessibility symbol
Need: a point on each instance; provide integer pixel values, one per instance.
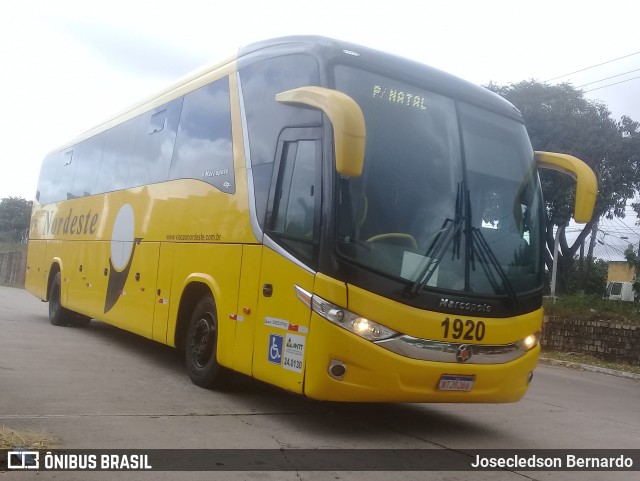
(275, 348)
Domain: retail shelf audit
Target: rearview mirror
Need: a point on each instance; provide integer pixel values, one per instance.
(586, 183)
(349, 130)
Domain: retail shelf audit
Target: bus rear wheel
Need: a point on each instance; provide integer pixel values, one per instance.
(201, 346)
(59, 315)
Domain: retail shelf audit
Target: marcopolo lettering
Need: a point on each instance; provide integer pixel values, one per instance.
(71, 224)
(464, 306)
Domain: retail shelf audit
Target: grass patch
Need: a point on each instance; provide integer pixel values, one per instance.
(10, 439)
(590, 360)
(593, 308)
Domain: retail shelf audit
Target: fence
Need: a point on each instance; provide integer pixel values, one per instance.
(13, 266)
(606, 340)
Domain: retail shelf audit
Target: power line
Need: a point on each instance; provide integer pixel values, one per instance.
(626, 227)
(593, 66)
(610, 251)
(550, 95)
(620, 239)
(608, 78)
(623, 236)
(611, 85)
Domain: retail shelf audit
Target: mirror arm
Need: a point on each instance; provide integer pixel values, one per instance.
(349, 129)
(586, 182)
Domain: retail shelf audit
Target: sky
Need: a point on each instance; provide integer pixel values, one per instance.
(68, 65)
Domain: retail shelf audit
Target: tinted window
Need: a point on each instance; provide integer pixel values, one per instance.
(403, 216)
(155, 139)
(117, 156)
(293, 218)
(266, 117)
(56, 177)
(87, 158)
(46, 181)
(65, 175)
(47, 187)
(505, 198)
(157, 122)
(203, 148)
(140, 151)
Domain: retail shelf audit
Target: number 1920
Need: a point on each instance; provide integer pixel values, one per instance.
(467, 330)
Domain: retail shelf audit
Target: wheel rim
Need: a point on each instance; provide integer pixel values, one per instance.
(203, 340)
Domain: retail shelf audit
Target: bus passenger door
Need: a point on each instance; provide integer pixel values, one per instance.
(290, 250)
(247, 309)
(163, 292)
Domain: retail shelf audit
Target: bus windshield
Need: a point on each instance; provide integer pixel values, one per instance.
(449, 197)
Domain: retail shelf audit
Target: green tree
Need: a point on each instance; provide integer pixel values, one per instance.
(15, 215)
(560, 119)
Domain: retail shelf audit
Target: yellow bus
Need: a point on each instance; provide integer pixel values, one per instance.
(335, 221)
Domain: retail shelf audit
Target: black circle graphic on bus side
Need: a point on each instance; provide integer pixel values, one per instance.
(123, 247)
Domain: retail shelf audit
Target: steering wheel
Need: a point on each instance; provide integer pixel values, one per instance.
(406, 239)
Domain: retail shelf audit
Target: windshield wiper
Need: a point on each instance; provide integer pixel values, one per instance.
(487, 257)
(450, 232)
(477, 246)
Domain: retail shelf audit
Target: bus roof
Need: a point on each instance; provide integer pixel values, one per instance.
(332, 51)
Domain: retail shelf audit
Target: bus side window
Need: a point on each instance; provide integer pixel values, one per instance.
(48, 183)
(116, 157)
(66, 172)
(155, 140)
(203, 147)
(266, 118)
(295, 200)
(88, 158)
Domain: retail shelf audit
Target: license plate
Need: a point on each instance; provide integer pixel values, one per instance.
(452, 382)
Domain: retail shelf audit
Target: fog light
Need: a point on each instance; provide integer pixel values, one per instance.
(337, 369)
(336, 315)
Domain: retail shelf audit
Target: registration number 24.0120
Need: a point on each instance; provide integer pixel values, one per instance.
(466, 330)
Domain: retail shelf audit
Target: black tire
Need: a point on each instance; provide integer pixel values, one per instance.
(202, 345)
(61, 316)
(58, 315)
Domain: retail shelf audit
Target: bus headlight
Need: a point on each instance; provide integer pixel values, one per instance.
(529, 342)
(351, 321)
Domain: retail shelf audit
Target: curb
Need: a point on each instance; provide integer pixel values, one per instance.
(589, 367)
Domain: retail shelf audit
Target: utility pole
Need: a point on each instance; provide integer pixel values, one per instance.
(554, 268)
(592, 244)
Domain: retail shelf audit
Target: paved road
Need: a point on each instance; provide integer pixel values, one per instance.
(100, 387)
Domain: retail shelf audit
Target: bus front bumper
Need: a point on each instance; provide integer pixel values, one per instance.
(341, 366)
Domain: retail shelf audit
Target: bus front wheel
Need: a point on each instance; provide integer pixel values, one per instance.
(201, 346)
